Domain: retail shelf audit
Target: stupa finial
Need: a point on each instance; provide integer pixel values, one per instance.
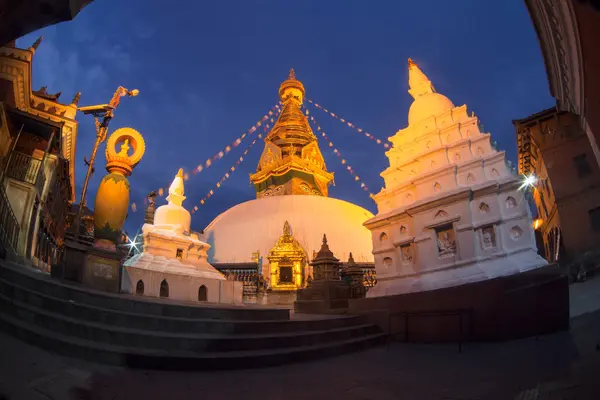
(351, 259)
(292, 74)
(286, 229)
(417, 81)
(36, 44)
(324, 240)
(75, 100)
(177, 190)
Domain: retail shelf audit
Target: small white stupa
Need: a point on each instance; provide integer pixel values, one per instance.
(173, 262)
(451, 211)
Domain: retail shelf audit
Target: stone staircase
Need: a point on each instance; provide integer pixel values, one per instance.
(150, 333)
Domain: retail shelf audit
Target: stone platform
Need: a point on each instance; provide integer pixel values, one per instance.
(141, 332)
(505, 308)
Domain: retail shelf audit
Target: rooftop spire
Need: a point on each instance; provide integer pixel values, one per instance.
(177, 189)
(76, 98)
(418, 82)
(292, 74)
(36, 44)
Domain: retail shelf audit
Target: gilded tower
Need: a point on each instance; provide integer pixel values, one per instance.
(291, 162)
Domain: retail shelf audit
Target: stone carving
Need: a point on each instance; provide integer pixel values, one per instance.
(457, 157)
(488, 236)
(479, 151)
(495, 173)
(510, 202)
(446, 242)
(437, 187)
(516, 232)
(403, 230)
(383, 237)
(470, 178)
(408, 199)
(441, 214)
(406, 251)
(484, 208)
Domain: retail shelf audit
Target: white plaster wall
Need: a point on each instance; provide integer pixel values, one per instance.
(181, 287)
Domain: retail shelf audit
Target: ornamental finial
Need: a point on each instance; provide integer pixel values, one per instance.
(36, 44)
(75, 100)
(411, 63)
(286, 229)
(324, 240)
(292, 74)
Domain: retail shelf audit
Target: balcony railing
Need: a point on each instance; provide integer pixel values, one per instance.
(27, 169)
(9, 226)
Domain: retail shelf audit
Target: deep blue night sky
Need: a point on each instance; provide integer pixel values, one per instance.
(207, 71)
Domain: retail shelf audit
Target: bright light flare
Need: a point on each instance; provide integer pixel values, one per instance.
(132, 245)
(529, 181)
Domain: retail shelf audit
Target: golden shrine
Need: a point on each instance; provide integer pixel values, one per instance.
(287, 261)
(291, 162)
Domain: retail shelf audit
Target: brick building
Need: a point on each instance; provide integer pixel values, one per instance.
(568, 32)
(553, 146)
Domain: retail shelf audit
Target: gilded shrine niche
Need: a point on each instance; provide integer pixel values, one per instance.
(287, 260)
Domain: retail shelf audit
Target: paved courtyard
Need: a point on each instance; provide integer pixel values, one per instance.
(561, 366)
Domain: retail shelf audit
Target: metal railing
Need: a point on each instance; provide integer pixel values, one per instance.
(9, 226)
(460, 313)
(27, 169)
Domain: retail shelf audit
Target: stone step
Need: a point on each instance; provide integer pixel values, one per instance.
(43, 284)
(167, 324)
(194, 342)
(178, 360)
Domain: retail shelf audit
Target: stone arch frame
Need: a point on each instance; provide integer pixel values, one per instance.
(202, 293)
(139, 287)
(388, 262)
(383, 237)
(164, 288)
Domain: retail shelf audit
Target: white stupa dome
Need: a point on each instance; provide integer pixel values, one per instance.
(428, 105)
(257, 225)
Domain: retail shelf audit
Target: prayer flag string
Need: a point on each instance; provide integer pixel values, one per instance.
(266, 121)
(228, 173)
(347, 166)
(350, 124)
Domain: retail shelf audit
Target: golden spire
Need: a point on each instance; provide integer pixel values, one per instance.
(35, 44)
(291, 150)
(177, 190)
(180, 173)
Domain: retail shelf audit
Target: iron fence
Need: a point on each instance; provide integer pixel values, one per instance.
(9, 226)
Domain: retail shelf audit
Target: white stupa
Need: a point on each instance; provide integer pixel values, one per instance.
(173, 262)
(451, 211)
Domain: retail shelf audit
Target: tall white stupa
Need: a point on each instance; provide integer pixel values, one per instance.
(451, 211)
(173, 262)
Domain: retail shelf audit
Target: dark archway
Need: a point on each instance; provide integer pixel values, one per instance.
(164, 289)
(139, 288)
(202, 293)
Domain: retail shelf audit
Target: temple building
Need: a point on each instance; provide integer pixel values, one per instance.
(37, 149)
(568, 32)
(554, 147)
(451, 211)
(173, 263)
(282, 228)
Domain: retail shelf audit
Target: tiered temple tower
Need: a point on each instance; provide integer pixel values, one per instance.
(451, 211)
(291, 162)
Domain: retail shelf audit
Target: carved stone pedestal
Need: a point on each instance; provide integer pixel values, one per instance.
(103, 270)
(326, 293)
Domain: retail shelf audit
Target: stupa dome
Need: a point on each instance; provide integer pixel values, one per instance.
(256, 225)
(428, 105)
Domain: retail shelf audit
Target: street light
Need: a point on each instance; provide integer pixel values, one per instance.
(106, 112)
